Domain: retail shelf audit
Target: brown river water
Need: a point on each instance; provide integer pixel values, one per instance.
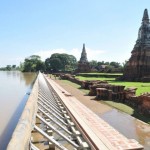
(14, 86)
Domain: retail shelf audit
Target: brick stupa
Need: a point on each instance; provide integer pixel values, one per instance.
(83, 64)
(138, 66)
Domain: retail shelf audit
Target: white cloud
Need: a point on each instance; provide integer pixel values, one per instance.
(91, 54)
(94, 54)
(47, 53)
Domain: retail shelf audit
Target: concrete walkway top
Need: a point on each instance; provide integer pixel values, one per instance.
(99, 133)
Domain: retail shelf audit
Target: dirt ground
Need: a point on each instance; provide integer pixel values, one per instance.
(88, 101)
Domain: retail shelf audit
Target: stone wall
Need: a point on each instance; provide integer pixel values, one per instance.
(70, 78)
(87, 84)
(144, 103)
(141, 103)
(105, 91)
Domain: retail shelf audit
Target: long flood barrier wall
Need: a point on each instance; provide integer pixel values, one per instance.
(77, 126)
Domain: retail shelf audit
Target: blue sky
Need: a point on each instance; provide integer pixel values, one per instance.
(108, 28)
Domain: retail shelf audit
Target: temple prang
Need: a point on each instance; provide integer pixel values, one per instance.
(83, 58)
(83, 64)
(138, 66)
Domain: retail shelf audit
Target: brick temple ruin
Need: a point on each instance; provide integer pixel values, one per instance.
(105, 91)
(138, 66)
(83, 64)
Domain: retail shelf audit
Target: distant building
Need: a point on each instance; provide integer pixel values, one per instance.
(83, 64)
(138, 66)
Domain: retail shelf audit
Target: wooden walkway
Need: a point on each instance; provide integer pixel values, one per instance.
(62, 122)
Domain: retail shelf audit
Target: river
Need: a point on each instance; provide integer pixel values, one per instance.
(13, 88)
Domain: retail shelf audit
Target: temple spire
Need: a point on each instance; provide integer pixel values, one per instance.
(83, 55)
(145, 16)
(83, 64)
(138, 66)
(83, 46)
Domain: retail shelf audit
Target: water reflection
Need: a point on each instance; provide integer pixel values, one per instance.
(24, 77)
(12, 74)
(27, 78)
(129, 126)
(13, 88)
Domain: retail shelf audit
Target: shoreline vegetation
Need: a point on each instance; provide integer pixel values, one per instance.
(142, 87)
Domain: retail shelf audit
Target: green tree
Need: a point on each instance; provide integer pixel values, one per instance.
(33, 64)
(47, 65)
(13, 66)
(100, 63)
(115, 64)
(8, 67)
(62, 62)
(56, 64)
(93, 63)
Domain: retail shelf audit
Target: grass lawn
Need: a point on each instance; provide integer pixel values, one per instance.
(142, 87)
(103, 73)
(94, 78)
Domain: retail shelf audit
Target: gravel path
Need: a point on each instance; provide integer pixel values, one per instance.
(88, 101)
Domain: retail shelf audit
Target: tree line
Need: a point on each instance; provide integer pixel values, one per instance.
(9, 68)
(57, 62)
(62, 62)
